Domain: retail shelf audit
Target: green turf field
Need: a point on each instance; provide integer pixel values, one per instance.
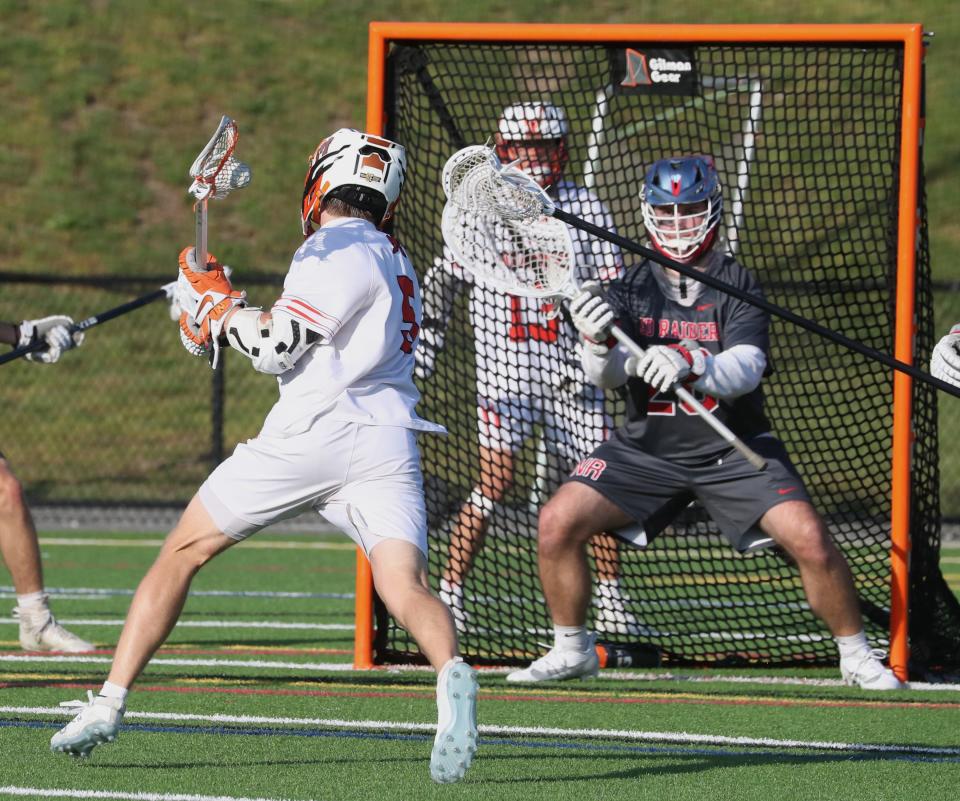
(253, 697)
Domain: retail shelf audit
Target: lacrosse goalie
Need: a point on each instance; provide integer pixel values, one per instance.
(528, 334)
(39, 629)
(663, 457)
(340, 340)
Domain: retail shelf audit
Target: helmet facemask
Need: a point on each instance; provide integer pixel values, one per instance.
(532, 137)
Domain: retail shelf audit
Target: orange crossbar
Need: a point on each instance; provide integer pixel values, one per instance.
(911, 34)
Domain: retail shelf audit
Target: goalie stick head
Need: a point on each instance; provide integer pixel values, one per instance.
(682, 202)
(532, 137)
(360, 169)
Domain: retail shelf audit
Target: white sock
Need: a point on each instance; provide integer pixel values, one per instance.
(570, 638)
(852, 645)
(32, 601)
(110, 690)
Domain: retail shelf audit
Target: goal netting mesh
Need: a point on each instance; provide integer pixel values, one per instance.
(806, 139)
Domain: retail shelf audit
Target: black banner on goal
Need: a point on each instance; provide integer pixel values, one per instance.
(653, 71)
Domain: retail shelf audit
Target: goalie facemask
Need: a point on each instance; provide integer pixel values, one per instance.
(533, 137)
(682, 203)
(360, 169)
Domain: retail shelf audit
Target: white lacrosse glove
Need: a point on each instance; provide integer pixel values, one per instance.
(592, 316)
(662, 366)
(945, 362)
(55, 331)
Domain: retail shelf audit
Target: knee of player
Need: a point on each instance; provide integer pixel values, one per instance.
(556, 528)
(808, 543)
(11, 491)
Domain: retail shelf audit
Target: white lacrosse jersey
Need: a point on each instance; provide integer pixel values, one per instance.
(518, 344)
(354, 286)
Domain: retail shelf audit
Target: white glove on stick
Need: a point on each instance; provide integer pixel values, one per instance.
(592, 316)
(662, 366)
(945, 362)
(54, 331)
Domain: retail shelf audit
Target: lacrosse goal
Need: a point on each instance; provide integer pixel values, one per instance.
(815, 133)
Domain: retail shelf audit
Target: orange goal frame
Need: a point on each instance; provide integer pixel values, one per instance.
(381, 34)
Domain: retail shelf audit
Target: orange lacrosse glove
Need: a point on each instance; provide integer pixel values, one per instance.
(205, 297)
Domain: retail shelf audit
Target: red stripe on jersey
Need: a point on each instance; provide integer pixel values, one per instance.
(305, 311)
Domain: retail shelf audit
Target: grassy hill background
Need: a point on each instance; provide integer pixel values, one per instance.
(104, 105)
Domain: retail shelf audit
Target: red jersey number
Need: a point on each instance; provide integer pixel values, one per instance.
(521, 331)
(411, 329)
(662, 404)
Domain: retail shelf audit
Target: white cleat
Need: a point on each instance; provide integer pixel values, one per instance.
(97, 722)
(866, 670)
(39, 631)
(561, 663)
(456, 740)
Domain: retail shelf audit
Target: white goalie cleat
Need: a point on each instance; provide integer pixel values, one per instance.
(97, 722)
(456, 740)
(866, 670)
(561, 663)
(40, 631)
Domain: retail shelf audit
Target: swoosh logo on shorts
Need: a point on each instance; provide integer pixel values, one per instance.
(785, 491)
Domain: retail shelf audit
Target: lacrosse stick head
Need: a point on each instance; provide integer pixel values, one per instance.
(215, 171)
(475, 180)
(529, 259)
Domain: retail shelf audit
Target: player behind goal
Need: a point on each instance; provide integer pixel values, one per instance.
(662, 458)
(340, 440)
(945, 361)
(528, 339)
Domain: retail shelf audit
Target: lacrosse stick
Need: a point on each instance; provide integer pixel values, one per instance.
(537, 260)
(216, 173)
(165, 291)
(475, 180)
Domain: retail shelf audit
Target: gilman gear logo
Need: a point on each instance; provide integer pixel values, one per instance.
(661, 72)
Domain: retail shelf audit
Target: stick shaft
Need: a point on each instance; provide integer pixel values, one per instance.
(90, 322)
(772, 308)
(201, 254)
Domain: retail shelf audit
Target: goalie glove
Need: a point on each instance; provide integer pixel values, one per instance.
(205, 298)
(55, 331)
(945, 362)
(662, 366)
(592, 316)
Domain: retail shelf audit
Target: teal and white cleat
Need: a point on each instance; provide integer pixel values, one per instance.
(98, 722)
(456, 740)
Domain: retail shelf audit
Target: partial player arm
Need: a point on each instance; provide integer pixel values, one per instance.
(442, 283)
(54, 330)
(945, 362)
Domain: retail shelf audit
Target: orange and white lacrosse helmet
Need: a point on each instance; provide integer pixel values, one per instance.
(533, 137)
(361, 169)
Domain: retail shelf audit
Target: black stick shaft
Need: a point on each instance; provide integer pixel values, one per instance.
(89, 322)
(771, 308)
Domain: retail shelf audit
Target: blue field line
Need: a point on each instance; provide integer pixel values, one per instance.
(773, 755)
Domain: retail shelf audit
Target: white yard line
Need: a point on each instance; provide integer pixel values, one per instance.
(63, 659)
(206, 624)
(44, 792)
(105, 542)
(100, 592)
(631, 735)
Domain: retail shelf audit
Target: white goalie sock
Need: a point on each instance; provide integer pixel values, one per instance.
(570, 638)
(32, 601)
(852, 645)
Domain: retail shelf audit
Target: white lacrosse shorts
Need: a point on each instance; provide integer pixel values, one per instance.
(364, 479)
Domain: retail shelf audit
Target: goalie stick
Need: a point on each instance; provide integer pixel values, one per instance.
(166, 291)
(536, 259)
(476, 181)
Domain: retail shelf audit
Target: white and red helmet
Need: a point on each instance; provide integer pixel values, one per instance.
(361, 169)
(534, 125)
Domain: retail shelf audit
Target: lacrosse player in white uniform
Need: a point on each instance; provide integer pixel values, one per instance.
(945, 361)
(528, 371)
(39, 629)
(341, 439)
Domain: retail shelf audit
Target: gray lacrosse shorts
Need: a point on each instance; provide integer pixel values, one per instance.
(654, 491)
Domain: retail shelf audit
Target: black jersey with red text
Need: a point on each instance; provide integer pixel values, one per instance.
(656, 422)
